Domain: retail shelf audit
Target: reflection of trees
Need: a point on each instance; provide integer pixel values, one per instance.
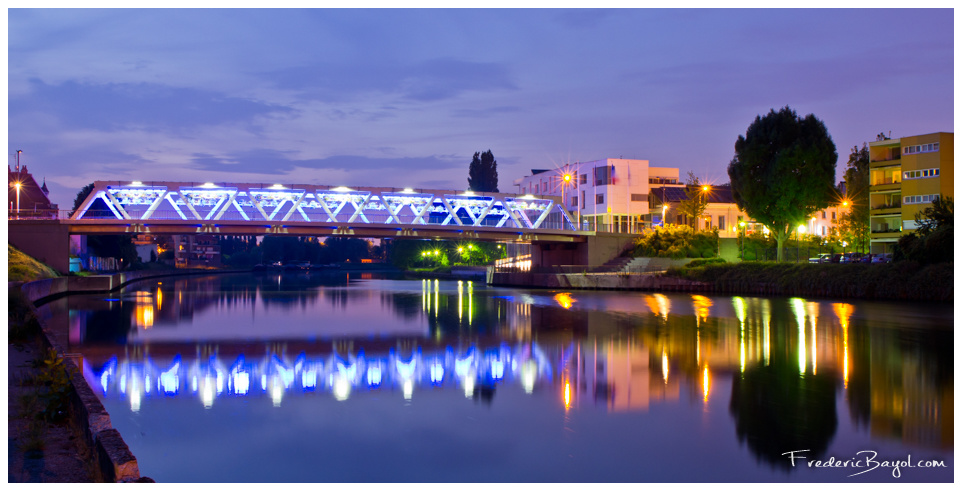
(777, 410)
(859, 377)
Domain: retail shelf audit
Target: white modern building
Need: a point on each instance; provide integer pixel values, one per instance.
(607, 195)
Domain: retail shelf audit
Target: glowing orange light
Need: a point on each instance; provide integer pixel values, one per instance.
(567, 395)
(704, 188)
(567, 177)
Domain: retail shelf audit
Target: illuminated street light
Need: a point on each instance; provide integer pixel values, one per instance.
(664, 210)
(17, 186)
(801, 229)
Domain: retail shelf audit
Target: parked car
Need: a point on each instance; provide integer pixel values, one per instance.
(836, 258)
(885, 257)
(821, 258)
(851, 257)
(866, 258)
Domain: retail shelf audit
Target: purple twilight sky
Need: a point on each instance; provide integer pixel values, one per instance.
(403, 98)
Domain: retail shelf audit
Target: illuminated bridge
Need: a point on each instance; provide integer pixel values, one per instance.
(182, 208)
(253, 209)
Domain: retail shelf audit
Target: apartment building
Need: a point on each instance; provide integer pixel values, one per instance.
(607, 195)
(905, 175)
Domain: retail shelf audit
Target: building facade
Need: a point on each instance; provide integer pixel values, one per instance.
(608, 195)
(722, 213)
(192, 251)
(905, 175)
(26, 198)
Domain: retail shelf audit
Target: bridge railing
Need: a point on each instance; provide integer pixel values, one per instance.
(38, 214)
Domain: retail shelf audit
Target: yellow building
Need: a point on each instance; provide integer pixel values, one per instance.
(906, 175)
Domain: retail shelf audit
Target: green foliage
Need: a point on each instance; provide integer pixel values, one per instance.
(933, 240)
(676, 243)
(783, 170)
(483, 173)
(82, 195)
(21, 267)
(697, 200)
(54, 387)
(702, 262)
(854, 222)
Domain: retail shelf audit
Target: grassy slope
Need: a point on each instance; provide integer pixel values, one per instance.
(21, 267)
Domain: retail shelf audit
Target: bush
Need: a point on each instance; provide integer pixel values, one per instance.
(676, 243)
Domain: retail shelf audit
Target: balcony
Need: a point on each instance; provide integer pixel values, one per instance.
(894, 208)
(885, 185)
(886, 163)
(891, 234)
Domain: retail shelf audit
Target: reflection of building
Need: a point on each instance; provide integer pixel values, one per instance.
(25, 198)
(196, 250)
(905, 175)
(608, 194)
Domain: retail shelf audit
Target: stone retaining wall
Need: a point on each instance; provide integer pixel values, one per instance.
(114, 459)
(598, 281)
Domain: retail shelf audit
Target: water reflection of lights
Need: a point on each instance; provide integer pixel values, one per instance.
(564, 300)
(798, 307)
(209, 378)
(702, 306)
(567, 395)
(664, 365)
(844, 312)
(705, 382)
(659, 305)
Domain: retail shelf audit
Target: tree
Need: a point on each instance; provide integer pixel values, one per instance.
(483, 173)
(783, 171)
(854, 224)
(82, 195)
(933, 239)
(697, 200)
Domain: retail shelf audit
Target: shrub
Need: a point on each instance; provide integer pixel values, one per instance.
(676, 243)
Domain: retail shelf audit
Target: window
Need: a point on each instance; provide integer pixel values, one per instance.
(536, 187)
(833, 215)
(599, 199)
(823, 230)
(928, 147)
(823, 214)
(584, 178)
(602, 175)
(721, 223)
(582, 200)
(639, 197)
(574, 201)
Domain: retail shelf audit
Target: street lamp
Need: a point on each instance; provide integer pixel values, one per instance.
(17, 186)
(664, 210)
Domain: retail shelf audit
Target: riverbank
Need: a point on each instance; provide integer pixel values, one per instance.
(81, 445)
(894, 281)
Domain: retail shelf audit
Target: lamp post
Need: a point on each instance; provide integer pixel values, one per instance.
(664, 211)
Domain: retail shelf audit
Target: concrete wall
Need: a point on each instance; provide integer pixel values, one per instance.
(45, 240)
(597, 250)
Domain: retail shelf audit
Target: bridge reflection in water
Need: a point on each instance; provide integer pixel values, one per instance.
(473, 370)
(619, 352)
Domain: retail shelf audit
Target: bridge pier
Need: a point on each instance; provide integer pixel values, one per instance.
(47, 241)
(598, 249)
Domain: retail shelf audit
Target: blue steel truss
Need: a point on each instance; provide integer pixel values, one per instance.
(237, 202)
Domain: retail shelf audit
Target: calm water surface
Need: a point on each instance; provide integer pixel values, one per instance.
(361, 378)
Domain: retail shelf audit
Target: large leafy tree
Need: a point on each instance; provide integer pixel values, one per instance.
(854, 219)
(783, 171)
(483, 173)
(696, 200)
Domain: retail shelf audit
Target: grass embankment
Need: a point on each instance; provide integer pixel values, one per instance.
(905, 280)
(21, 267)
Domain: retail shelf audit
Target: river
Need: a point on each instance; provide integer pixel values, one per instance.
(365, 378)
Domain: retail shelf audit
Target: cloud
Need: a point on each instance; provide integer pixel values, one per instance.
(488, 112)
(430, 80)
(268, 161)
(110, 107)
